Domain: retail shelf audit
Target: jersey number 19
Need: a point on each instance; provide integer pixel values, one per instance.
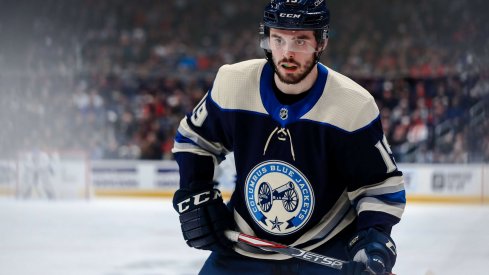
(386, 153)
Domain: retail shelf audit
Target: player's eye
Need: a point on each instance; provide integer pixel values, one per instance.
(300, 42)
(278, 41)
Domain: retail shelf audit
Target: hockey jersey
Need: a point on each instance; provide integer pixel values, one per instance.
(305, 171)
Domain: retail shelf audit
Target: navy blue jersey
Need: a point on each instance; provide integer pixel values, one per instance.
(305, 171)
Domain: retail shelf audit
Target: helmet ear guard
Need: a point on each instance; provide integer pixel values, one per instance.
(264, 32)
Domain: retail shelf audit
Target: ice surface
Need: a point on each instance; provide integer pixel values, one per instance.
(142, 236)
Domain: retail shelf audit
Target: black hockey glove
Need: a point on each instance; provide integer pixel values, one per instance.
(372, 251)
(204, 217)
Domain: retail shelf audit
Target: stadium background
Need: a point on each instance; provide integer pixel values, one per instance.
(112, 79)
(103, 84)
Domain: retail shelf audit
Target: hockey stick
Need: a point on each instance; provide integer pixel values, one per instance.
(286, 250)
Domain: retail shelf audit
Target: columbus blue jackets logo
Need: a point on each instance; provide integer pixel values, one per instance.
(279, 197)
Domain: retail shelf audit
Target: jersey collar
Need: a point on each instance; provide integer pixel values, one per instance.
(286, 114)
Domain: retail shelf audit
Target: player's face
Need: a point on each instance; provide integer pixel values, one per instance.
(293, 54)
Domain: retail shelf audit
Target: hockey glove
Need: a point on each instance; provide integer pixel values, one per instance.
(204, 217)
(374, 249)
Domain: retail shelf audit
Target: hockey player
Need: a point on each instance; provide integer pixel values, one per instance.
(314, 169)
(38, 172)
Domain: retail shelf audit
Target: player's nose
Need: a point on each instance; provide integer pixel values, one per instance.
(288, 52)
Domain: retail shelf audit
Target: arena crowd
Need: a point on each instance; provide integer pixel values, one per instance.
(114, 78)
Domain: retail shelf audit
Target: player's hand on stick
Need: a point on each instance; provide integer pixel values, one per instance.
(204, 217)
(372, 251)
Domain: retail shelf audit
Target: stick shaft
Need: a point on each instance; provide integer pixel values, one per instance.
(285, 250)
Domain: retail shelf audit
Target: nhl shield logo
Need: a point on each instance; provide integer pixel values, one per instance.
(284, 113)
(279, 197)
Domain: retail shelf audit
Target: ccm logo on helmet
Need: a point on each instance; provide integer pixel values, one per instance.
(289, 15)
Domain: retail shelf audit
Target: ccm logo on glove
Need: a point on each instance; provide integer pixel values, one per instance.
(198, 199)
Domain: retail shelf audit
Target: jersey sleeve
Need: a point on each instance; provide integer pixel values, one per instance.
(375, 185)
(200, 143)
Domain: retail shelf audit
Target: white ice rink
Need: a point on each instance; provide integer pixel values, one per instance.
(136, 237)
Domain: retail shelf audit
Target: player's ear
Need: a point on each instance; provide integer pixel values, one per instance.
(322, 46)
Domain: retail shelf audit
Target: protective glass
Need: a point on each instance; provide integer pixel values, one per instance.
(288, 44)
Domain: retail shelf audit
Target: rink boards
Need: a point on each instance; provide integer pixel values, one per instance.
(424, 182)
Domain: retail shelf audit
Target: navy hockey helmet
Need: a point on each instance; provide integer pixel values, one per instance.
(296, 15)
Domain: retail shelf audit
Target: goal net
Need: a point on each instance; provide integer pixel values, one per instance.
(52, 175)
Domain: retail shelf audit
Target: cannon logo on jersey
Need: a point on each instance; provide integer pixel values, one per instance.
(279, 197)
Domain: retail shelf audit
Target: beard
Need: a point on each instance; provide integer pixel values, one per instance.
(295, 77)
